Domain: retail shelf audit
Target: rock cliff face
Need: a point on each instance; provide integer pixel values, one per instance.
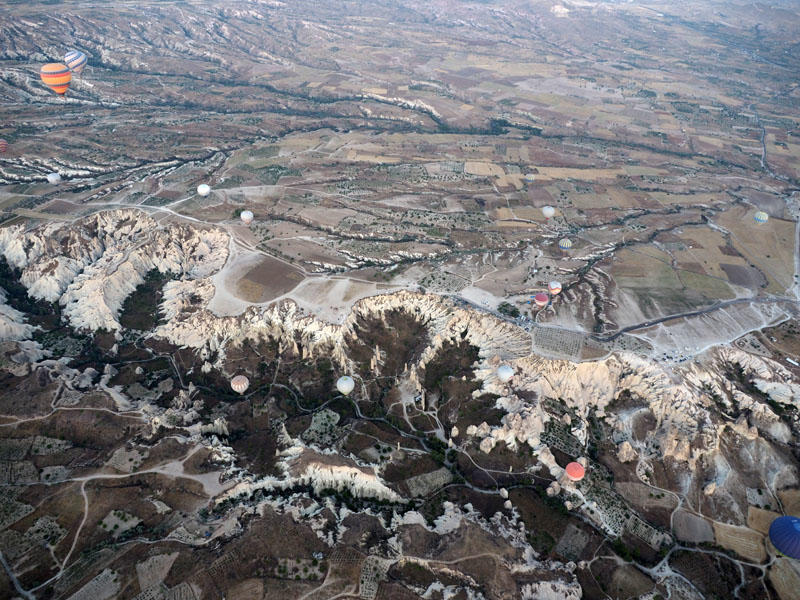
(91, 265)
(12, 322)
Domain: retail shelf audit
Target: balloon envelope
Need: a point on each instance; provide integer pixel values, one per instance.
(75, 60)
(530, 177)
(548, 211)
(575, 471)
(784, 533)
(3, 145)
(541, 299)
(565, 244)
(247, 217)
(761, 217)
(240, 383)
(203, 189)
(56, 76)
(345, 384)
(505, 373)
(53, 178)
(554, 287)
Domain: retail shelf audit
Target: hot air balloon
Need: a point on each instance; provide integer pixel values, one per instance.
(203, 189)
(548, 211)
(507, 505)
(57, 77)
(575, 471)
(239, 384)
(554, 287)
(53, 178)
(247, 217)
(505, 373)
(3, 145)
(345, 384)
(761, 217)
(541, 299)
(503, 493)
(530, 177)
(76, 61)
(565, 243)
(784, 533)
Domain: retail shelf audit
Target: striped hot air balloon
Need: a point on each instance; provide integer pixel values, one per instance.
(76, 61)
(554, 287)
(57, 77)
(761, 217)
(575, 471)
(784, 533)
(3, 146)
(541, 299)
(565, 243)
(239, 384)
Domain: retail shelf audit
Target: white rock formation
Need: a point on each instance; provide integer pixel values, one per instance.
(552, 590)
(304, 467)
(12, 322)
(92, 265)
(625, 452)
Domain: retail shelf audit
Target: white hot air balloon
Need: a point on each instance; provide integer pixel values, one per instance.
(246, 216)
(53, 178)
(505, 373)
(554, 287)
(204, 189)
(239, 384)
(548, 211)
(345, 384)
(507, 505)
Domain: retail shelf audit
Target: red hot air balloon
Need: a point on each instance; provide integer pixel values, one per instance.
(541, 299)
(575, 471)
(3, 146)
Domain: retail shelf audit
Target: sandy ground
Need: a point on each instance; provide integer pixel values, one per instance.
(331, 299)
(246, 281)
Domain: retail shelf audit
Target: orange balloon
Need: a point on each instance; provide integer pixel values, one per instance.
(56, 76)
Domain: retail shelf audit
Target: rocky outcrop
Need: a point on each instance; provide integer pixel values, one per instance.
(90, 266)
(12, 322)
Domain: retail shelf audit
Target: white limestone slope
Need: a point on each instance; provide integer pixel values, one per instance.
(12, 322)
(91, 265)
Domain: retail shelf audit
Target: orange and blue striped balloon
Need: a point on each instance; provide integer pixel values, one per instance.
(76, 61)
(56, 76)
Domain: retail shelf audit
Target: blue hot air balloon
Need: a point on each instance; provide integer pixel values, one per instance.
(761, 217)
(784, 533)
